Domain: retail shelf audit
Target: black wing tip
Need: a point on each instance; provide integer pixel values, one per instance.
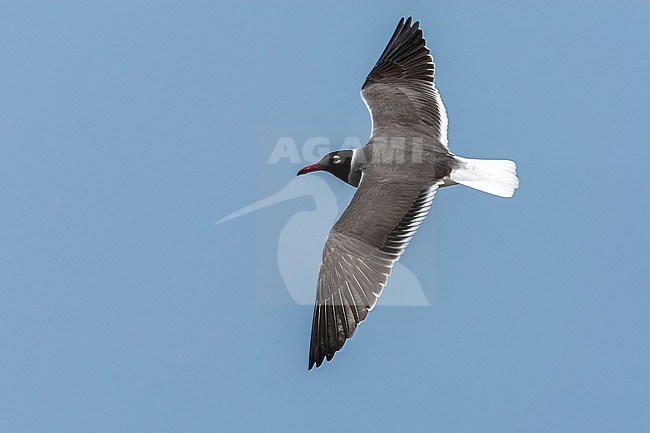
(317, 361)
(317, 358)
(408, 22)
(318, 354)
(406, 56)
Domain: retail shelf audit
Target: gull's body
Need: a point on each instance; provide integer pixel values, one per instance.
(397, 173)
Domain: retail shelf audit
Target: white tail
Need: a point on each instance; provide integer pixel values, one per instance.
(494, 176)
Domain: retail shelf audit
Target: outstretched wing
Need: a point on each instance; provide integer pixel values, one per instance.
(359, 254)
(400, 92)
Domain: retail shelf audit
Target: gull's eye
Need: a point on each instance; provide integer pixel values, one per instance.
(336, 159)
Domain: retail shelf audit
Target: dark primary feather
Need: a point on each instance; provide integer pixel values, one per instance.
(405, 57)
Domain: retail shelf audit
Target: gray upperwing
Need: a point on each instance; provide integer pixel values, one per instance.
(359, 254)
(400, 92)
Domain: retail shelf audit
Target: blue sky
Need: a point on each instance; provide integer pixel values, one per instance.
(128, 128)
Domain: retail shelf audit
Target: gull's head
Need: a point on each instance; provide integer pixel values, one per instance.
(338, 163)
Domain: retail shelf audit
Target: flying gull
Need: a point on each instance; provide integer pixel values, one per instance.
(397, 174)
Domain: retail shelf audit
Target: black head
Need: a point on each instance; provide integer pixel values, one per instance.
(338, 163)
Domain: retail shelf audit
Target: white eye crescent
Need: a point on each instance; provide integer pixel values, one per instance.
(336, 159)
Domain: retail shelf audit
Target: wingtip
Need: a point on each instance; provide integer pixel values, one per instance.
(408, 22)
(314, 362)
(319, 359)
